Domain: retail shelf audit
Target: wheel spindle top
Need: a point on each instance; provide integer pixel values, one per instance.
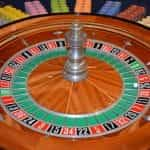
(75, 68)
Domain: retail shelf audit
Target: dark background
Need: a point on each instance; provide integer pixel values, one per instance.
(96, 4)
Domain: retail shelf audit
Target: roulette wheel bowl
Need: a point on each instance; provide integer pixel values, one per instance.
(114, 33)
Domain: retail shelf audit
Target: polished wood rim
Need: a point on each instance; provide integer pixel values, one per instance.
(110, 30)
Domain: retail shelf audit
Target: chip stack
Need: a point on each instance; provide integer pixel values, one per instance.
(133, 13)
(145, 21)
(110, 8)
(40, 8)
(30, 9)
(9, 13)
(17, 12)
(4, 14)
(59, 6)
(115, 8)
(83, 6)
(105, 8)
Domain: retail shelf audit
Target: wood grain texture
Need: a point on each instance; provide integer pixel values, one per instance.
(99, 90)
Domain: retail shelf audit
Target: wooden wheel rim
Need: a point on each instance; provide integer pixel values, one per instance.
(52, 129)
(80, 124)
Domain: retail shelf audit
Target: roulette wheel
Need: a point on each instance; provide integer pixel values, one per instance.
(71, 80)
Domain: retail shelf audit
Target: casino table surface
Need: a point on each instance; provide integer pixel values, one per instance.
(125, 52)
